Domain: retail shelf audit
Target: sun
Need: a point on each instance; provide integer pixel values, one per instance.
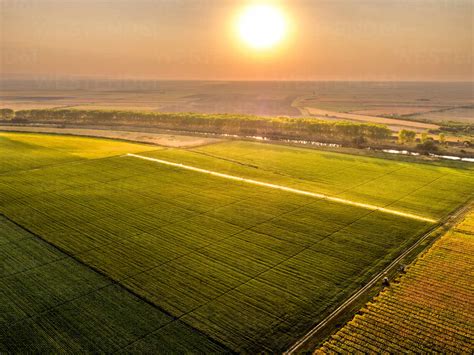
(261, 26)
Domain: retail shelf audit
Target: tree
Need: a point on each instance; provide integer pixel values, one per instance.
(359, 141)
(424, 137)
(428, 146)
(406, 136)
(442, 138)
(6, 114)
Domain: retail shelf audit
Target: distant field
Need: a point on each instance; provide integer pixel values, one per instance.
(396, 110)
(201, 97)
(392, 122)
(169, 140)
(464, 115)
(251, 267)
(429, 310)
(373, 106)
(279, 98)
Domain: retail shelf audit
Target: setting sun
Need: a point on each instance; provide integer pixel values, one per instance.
(261, 26)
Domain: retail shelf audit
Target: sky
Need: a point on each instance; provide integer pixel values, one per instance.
(197, 39)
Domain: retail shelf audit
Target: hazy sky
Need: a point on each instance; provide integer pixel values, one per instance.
(196, 39)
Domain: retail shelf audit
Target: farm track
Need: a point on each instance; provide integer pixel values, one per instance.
(287, 189)
(448, 221)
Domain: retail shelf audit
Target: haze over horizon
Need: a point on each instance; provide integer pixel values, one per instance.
(419, 40)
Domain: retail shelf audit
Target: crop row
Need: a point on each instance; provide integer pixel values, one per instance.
(51, 303)
(428, 311)
(30, 151)
(416, 188)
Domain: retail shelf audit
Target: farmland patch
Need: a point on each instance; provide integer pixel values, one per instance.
(428, 310)
(47, 299)
(251, 267)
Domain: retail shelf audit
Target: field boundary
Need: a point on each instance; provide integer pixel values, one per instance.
(334, 314)
(163, 139)
(285, 188)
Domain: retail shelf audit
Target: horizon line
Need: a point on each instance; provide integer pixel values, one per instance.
(53, 77)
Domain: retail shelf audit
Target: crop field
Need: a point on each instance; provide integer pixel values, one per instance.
(424, 189)
(167, 96)
(169, 140)
(395, 124)
(395, 110)
(251, 267)
(260, 98)
(429, 310)
(465, 115)
(47, 299)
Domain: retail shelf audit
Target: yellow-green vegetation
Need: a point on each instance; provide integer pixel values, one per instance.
(429, 190)
(234, 124)
(28, 151)
(406, 136)
(50, 303)
(428, 311)
(251, 267)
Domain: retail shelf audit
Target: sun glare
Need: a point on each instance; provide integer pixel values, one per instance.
(261, 26)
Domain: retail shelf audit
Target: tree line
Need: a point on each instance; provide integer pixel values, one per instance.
(232, 124)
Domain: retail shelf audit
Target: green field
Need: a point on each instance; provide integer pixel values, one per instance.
(51, 303)
(250, 267)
